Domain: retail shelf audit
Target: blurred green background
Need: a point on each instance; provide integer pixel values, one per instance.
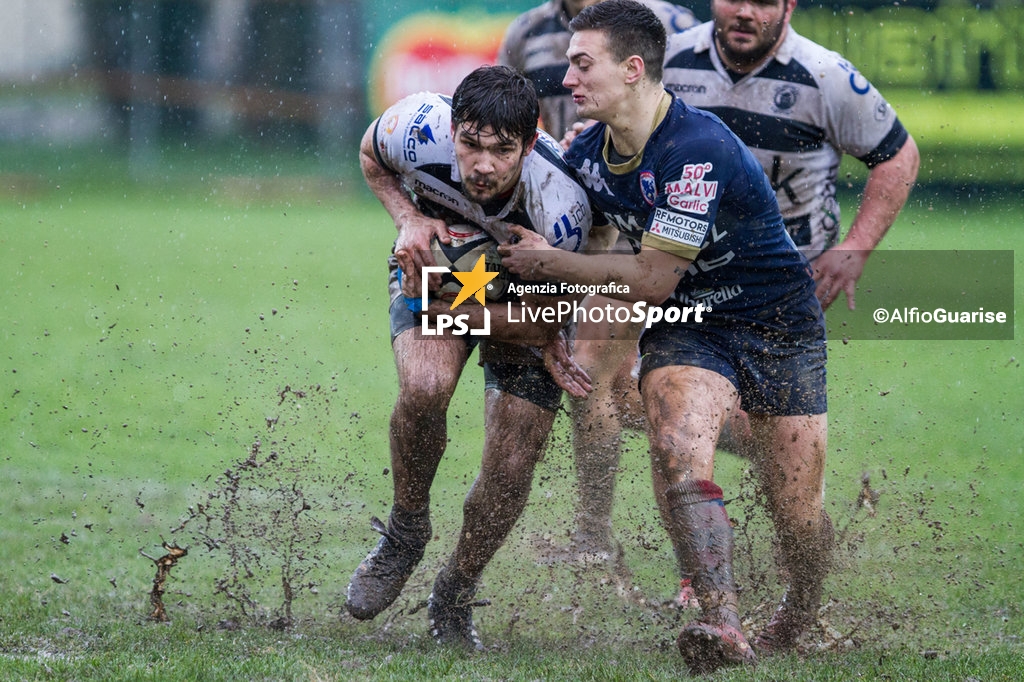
(142, 77)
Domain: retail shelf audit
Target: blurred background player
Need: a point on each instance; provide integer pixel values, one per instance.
(535, 43)
(710, 229)
(476, 157)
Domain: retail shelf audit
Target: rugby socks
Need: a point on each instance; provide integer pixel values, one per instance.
(410, 527)
(703, 538)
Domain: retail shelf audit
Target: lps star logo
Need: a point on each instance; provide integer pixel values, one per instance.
(474, 285)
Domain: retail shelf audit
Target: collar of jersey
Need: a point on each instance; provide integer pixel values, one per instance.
(634, 162)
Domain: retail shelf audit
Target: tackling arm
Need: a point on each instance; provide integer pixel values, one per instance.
(885, 193)
(415, 230)
(650, 275)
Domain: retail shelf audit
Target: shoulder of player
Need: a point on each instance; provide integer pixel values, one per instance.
(676, 18)
(546, 169)
(699, 35)
(826, 66)
(413, 131)
(699, 134)
(427, 106)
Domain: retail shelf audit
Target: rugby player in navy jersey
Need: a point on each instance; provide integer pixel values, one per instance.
(475, 157)
(799, 107)
(738, 314)
(535, 43)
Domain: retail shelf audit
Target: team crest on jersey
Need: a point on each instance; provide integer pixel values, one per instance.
(785, 97)
(392, 123)
(881, 110)
(648, 188)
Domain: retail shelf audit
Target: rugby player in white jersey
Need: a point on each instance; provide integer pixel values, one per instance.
(476, 157)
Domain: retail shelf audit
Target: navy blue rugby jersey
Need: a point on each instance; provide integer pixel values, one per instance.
(696, 191)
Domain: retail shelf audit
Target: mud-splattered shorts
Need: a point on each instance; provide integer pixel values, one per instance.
(531, 382)
(777, 372)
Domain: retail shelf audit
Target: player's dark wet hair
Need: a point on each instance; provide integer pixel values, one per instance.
(631, 29)
(499, 97)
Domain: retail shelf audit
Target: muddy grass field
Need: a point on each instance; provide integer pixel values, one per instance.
(193, 421)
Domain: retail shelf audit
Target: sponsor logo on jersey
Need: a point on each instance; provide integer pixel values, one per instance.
(692, 189)
(688, 203)
(688, 88)
(679, 228)
(423, 135)
(713, 297)
(785, 97)
(858, 83)
(691, 193)
(437, 194)
(589, 175)
(648, 188)
(881, 110)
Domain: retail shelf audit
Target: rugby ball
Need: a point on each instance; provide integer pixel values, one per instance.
(468, 243)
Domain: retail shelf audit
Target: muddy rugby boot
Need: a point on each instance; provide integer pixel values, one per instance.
(450, 612)
(706, 647)
(379, 579)
(807, 561)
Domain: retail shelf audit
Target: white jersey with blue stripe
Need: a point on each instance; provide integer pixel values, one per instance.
(413, 139)
(799, 113)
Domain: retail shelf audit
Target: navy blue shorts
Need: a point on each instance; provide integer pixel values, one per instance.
(777, 370)
(532, 383)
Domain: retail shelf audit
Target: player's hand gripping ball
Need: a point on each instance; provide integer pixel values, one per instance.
(469, 242)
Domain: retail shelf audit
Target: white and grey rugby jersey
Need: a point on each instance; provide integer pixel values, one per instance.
(413, 139)
(799, 113)
(535, 44)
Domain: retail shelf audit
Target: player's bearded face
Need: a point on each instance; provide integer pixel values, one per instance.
(746, 31)
(489, 165)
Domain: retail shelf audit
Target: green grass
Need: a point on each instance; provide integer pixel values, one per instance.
(151, 337)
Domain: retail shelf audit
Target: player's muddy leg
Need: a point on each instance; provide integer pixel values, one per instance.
(685, 408)
(608, 352)
(428, 371)
(737, 437)
(791, 472)
(515, 434)
(701, 527)
(596, 450)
